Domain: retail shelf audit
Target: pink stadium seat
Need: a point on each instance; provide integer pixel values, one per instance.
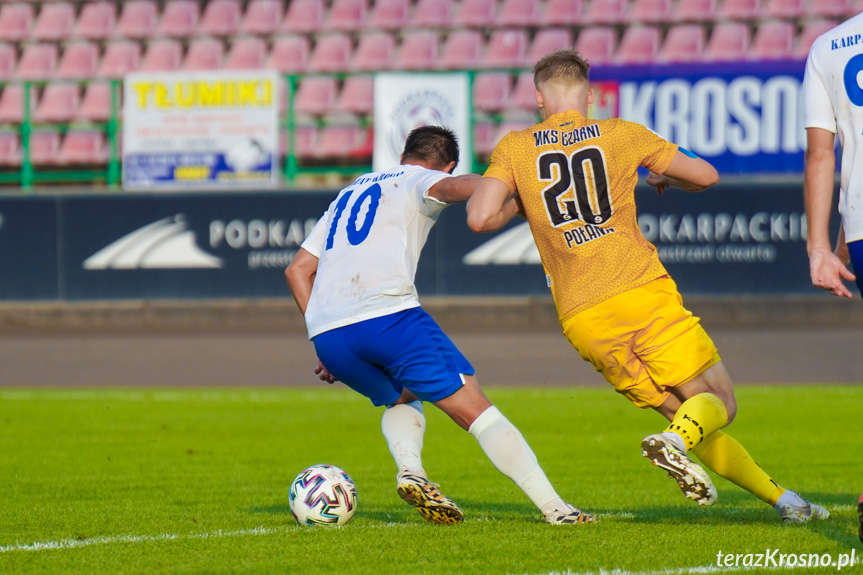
(83, 147)
(638, 45)
(305, 141)
(597, 44)
(247, 54)
(96, 104)
(389, 15)
(683, 43)
(483, 136)
(289, 54)
(304, 17)
(831, 8)
(524, 93)
(44, 148)
(220, 18)
(262, 17)
(7, 61)
(137, 20)
(491, 91)
(79, 60)
(786, 9)
(728, 42)
(204, 54)
(515, 123)
(16, 20)
(506, 49)
(475, 13)
(58, 104)
(357, 96)
(773, 41)
(519, 13)
(433, 14)
(344, 139)
(10, 149)
(346, 15)
(606, 12)
(375, 51)
(811, 30)
(547, 41)
(739, 10)
(12, 103)
(462, 49)
(55, 22)
(162, 56)
(121, 57)
(650, 11)
(316, 96)
(96, 21)
(37, 61)
(419, 51)
(332, 53)
(179, 19)
(563, 13)
(695, 11)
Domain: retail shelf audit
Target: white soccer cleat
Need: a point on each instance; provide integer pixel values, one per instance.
(803, 513)
(426, 497)
(570, 516)
(691, 478)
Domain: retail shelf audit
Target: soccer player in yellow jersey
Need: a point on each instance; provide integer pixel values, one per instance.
(574, 179)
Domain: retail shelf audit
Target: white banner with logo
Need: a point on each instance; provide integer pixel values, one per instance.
(206, 130)
(404, 101)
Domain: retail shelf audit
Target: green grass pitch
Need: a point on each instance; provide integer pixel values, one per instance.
(195, 481)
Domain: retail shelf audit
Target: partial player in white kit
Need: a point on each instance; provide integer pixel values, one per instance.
(353, 280)
(833, 105)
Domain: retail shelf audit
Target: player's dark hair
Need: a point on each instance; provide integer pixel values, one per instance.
(567, 65)
(434, 145)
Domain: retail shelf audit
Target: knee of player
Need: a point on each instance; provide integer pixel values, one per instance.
(730, 408)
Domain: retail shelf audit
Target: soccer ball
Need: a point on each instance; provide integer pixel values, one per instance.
(323, 495)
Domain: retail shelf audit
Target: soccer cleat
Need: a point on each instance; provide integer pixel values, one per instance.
(803, 513)
(691, 478)
(860, 516)
(571, 516)
(434, 506)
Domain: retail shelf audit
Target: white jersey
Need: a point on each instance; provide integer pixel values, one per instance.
(833, 100)
(368, 244)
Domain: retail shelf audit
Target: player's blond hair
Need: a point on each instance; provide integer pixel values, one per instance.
(565, 65)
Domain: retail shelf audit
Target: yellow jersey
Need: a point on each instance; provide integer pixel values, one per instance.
(576, 178)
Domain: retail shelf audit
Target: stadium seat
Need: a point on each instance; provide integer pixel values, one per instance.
(96, 21)
(506, 49)
(524, 93)
(316, 96)
(563, 13)
(289, 54)
(811, 30)
(220, 18)
(204, 54)
(547, 41)
(651, 11)
(433, 14)
(120, 58)
(137, 20)
(683, 43)
(519, 13)
(832, 8)
(475, 13)
(773, 41)
(83, 147)
(491, 91)
(739, 10)
(638, 45)
(37, 61)
(462, 49)
(58, 103)
(389, 15)
(514, 122)
(342, 137)
(305, 140)
(728, 42)
(96, 103)
(12, 103)
(262, 17)
(162, 56)
(375, 51)
(16, 20)
(44, 147)
(10, 149)
(695, 11)
(597, 44)
(246, 54)
(356, 96)
(304, 17)
(346, 15)
(179, 19)
(332, 53)
(7, 61)
(419, 51)
(606, 12)
(785, 9)
(483, 136)
(79, 60)
(55, 22)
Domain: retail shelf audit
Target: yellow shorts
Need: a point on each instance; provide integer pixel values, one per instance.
(643, 341)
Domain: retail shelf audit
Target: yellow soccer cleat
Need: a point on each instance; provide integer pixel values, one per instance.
(434, 506)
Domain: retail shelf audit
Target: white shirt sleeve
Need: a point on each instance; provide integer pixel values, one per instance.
(420, 183)
(817, 107)
(314, 243)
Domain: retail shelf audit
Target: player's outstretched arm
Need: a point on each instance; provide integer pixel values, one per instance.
(686, 172)
(456, 189)
(300, 275)
(492, 205)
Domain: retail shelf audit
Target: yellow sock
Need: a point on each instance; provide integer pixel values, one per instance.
(698, 417)
(725, 456)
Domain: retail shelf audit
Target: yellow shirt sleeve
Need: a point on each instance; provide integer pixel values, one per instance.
(656, 151)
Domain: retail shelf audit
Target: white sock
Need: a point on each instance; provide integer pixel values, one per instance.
(676, 439)
(789, 497)
(510, 453)
(403, 427)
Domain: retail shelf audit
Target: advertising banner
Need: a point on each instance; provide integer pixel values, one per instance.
(406, 101)
(28, 248)
(208, 130)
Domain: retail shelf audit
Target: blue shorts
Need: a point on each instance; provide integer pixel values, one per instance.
(380, 357)
(855, 250)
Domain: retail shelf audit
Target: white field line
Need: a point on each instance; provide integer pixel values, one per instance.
(703, 569)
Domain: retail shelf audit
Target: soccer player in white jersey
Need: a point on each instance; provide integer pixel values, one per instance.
(353, 279)
(833, 104)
